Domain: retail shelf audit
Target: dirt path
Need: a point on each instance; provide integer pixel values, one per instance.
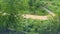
(27, 16)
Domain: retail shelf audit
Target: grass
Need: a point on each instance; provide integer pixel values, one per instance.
(30, 26)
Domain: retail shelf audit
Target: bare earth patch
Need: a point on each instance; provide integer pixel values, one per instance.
(27, 16)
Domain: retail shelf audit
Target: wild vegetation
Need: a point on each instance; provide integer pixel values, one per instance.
(11, 21)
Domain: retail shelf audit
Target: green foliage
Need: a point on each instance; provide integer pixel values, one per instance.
(15, 22)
